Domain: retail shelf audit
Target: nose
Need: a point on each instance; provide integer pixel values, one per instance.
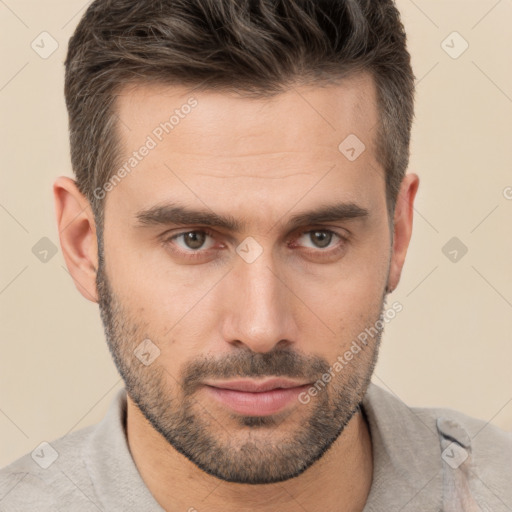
(259, 309)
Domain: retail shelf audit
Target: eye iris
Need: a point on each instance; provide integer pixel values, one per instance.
(323, 237)
(194, 239)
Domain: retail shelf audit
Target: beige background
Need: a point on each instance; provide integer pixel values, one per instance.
(450, 346)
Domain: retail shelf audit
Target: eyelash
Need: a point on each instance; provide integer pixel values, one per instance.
(167, 242)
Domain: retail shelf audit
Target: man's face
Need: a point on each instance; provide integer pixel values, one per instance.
(260, 299)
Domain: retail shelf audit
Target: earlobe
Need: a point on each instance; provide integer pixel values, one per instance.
(402, 231)
(77, 234)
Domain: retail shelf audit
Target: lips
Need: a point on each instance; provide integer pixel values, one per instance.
(253, 398)
(251, 386)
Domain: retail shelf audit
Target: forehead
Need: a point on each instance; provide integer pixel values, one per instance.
(212, 142)
(301, 114)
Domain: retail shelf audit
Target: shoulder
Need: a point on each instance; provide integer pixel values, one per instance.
(485, 439)
(427, 427)
(489, 447)
(468, 458)
(52, 475)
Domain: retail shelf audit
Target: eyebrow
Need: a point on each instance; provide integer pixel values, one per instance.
(175, 214)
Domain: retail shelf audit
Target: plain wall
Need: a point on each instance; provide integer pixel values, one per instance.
(451, 345)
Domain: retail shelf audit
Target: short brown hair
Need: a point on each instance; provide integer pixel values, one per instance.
(253, 47)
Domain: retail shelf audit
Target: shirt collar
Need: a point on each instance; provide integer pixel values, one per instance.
(111, 467)
(407, 464)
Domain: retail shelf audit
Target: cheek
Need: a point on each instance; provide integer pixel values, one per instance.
(349, 291)
(138, 281)
(347, 303)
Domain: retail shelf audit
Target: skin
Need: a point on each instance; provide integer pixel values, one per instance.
(218, 317)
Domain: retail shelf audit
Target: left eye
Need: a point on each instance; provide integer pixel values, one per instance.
(193, 240)
(321, 238)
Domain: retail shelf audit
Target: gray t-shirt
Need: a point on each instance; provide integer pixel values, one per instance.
(427, 460)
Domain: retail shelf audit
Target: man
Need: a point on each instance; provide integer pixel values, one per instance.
(240, 213)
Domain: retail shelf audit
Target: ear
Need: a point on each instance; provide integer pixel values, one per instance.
(77, 233)
(402, 229)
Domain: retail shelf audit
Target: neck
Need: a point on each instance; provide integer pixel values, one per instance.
(340, 480)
